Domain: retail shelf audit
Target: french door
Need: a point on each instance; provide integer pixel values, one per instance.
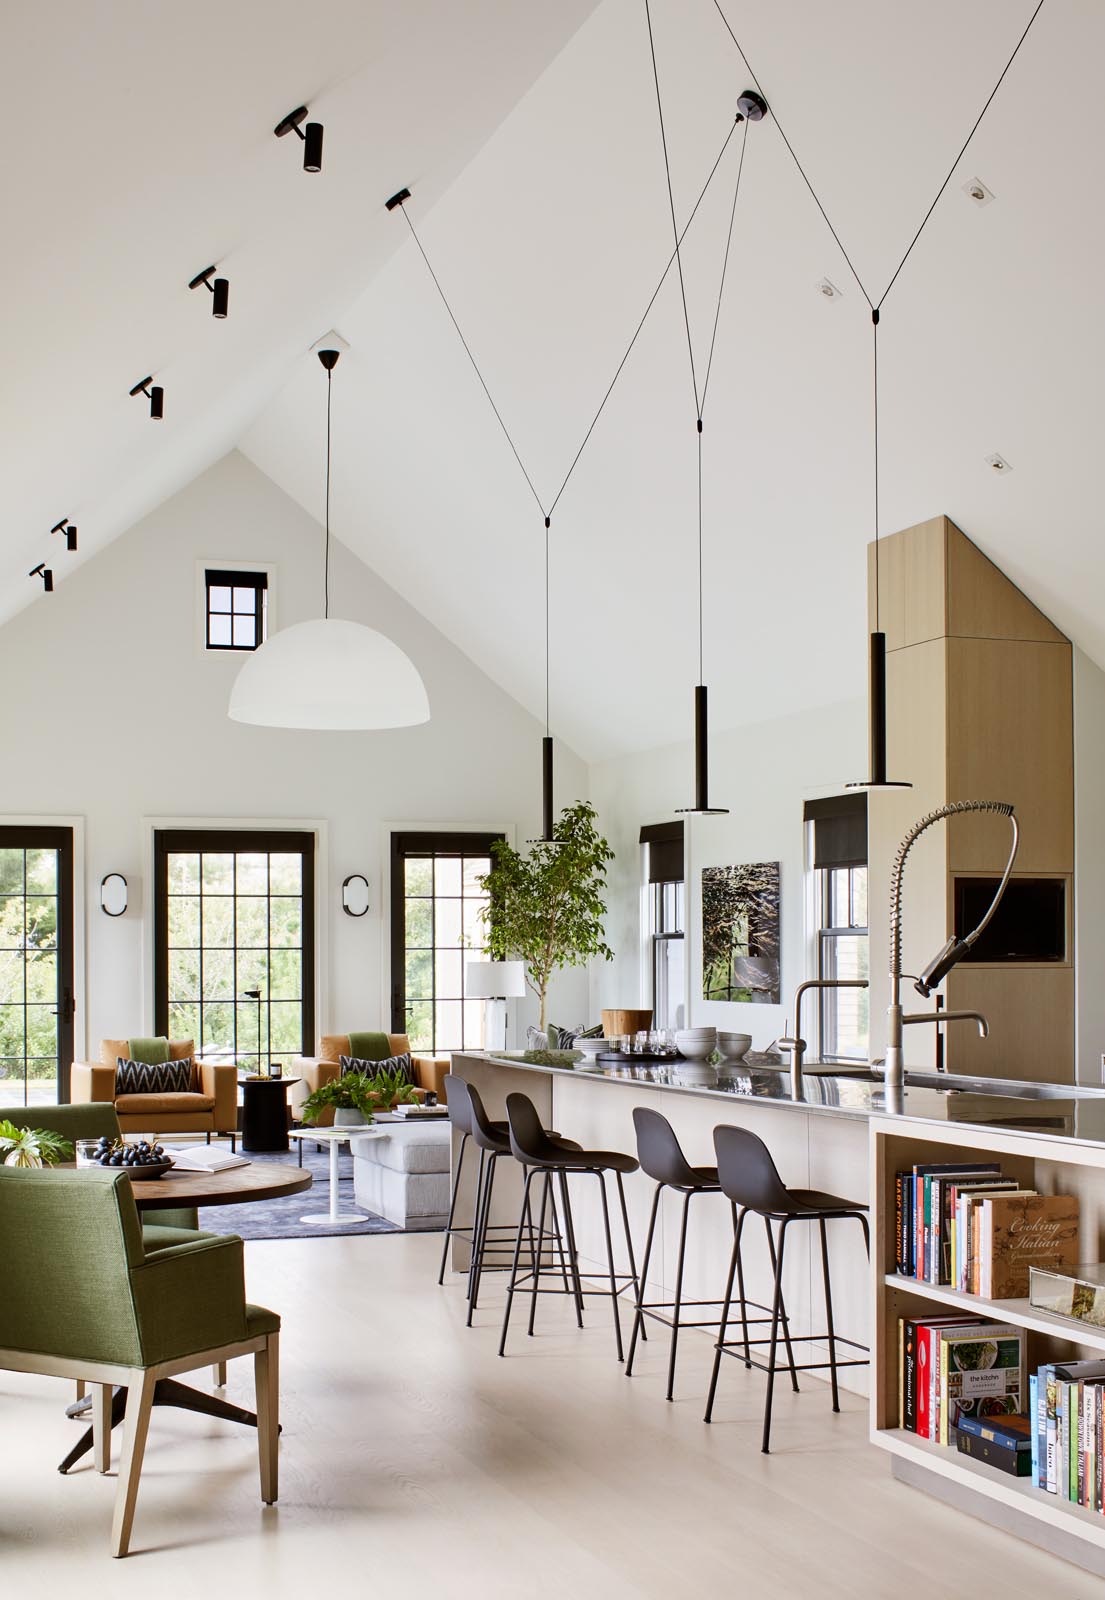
(36, 964)
(437, 927)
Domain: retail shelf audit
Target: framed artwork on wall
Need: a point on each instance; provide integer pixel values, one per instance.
(740, 933)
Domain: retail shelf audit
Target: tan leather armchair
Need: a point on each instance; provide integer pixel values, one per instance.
(313, 1071)
(209, 1106)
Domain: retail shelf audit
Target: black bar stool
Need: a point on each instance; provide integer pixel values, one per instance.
(458, 1105)
(749, 1177)
(660, 1156)
(493, 1142)
(540, 1154)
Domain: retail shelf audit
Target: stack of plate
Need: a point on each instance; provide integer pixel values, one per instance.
(696, 1043)
(734, 1046)
(590, 1048)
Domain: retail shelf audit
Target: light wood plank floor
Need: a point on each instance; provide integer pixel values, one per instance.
(416, 1464)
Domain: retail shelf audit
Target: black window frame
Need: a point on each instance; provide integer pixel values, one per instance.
(226, 578)
(235, 841)
(33, 837)
(417, 843)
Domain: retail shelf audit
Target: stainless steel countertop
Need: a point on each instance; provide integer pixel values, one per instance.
(1058, 1110)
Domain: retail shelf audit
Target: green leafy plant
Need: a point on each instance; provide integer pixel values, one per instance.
(32, 1147)
(351, 1093)
(390, 1088)
(546, 909)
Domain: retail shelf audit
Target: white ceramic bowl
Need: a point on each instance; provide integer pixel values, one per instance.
(696, 1046)
(734, 1046)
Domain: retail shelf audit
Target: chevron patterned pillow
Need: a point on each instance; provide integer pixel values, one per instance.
(139, 1077)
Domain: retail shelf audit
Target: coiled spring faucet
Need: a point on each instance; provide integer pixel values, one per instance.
(955, 948)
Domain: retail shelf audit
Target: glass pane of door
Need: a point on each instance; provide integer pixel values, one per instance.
(36, 965)
(437, 928)
(235, 951)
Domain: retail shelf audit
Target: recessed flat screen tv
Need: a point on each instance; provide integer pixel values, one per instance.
(1029, 925)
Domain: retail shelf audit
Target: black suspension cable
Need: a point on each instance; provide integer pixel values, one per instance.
(472, 359)
(671, 206)
(875, 366)
(326, 559)
(644, 317)
(875, 305)
(724, 268)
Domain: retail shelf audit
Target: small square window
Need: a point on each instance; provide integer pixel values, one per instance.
(236, 605)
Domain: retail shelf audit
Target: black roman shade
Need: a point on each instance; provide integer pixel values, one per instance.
(839, 830)
(665, 851)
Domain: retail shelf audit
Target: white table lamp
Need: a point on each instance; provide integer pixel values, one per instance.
(495, 982)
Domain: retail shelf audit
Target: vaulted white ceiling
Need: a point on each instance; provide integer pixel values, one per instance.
(532, 148)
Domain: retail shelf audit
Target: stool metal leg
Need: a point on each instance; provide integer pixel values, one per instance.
(738, 1230)
(776, 1317)
(557, 1236)
(678, 1292)
(573, 1253)
(734, 1261)
(601, 1176)
(475, 1276)
(786, 1319)
(524, 1221)
(539, 1251)
(639, 1317)
(629, 1248)
(452, 1204)
(829, 1311)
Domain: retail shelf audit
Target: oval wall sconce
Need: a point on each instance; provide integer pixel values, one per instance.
(354, 895)
(113, 894)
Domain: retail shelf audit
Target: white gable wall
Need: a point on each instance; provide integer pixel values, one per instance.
(112, 714)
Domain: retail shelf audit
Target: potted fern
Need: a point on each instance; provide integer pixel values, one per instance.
(32, 1147)
(350, 1097)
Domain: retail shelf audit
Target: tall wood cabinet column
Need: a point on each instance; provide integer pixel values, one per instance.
(979, 703)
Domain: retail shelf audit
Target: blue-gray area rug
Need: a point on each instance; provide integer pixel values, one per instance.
(282, 1219)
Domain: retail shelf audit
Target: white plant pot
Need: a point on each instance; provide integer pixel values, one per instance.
(348, 1117)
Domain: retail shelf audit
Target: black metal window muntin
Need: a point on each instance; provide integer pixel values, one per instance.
(247, 603)
(237, 842)
(433, 846)
(61, 1005)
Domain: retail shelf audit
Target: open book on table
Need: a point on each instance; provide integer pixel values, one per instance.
(203, 1158)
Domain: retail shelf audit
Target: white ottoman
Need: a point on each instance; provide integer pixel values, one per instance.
(405, 1176)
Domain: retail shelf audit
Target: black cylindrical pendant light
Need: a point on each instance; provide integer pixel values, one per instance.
(312, 147)
(876, 668)
(546, 787)
(547, 809)
(221, 302)
(157, 402)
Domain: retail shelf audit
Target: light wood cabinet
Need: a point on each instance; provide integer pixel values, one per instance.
(980, 707)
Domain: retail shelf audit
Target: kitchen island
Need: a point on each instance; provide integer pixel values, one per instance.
(840, 1134)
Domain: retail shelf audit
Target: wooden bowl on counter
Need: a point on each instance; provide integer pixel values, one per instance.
(630, 1022)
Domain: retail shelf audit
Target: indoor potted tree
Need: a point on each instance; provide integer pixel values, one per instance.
(546, 909)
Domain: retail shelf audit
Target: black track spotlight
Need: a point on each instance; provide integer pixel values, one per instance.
(69, 530)
(311, 136)
(156, 394)
(43, 571)
(220, 291)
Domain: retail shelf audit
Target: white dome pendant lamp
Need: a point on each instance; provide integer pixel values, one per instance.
(329, 674)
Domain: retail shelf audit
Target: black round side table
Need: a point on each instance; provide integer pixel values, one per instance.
(265, 1113)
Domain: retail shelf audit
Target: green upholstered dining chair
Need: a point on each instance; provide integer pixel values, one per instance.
(83, 1299)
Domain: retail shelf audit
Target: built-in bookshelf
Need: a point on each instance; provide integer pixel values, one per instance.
(1051, 1166)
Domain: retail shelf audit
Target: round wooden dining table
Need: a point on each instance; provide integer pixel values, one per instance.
(259, 1180)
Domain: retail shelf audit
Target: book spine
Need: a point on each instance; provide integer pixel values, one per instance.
(1062, 1441)
(909, 1379)
(1051, 1483)
(1034, 1415)
(901, 1372)
(1099, 1453)
(940, 1406)
(909, 1222)
(986, 1240)
(1079, 1464)
(898, 1180)
(922, 1386)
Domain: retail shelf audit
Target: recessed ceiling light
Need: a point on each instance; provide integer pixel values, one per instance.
(998, 464)
(826, 287)
(977, 191)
